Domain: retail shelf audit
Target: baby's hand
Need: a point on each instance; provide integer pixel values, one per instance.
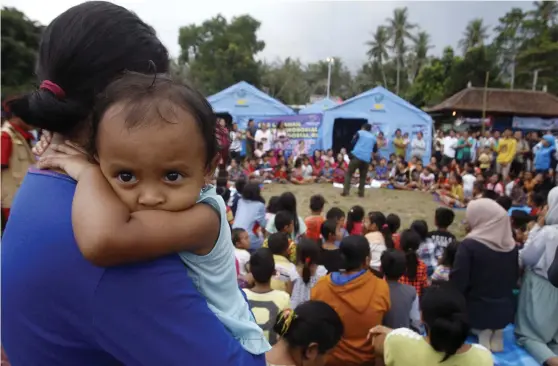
(41, 146)
(67, 157)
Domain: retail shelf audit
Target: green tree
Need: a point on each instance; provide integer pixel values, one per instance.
(286, 81)
(378, 50)
(475, 34)
(400, 30)
(20, 43)
(221, 53)
(316, 75)
(419, 55)
(509, 38)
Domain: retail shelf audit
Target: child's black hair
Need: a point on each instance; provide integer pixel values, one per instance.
(379, 219)
(444, 217)
(239, 185)
(69, 57)
(278, 243)
(329, 227)
(273, 205)
(317, 203)
(449, 254)
(287, 202)
(356, 214)
(539, 200)
(394, 222)
(444, 313)
(394, 264)
(335, 213)
(410, 242)
(223, 192)
(307, 254)
(311, 322)
(490, 194)
(421, 228)
(235, 235)
(252, 192)
(262, 265)
(505, 202)
(282, 220)
(354, 249)
(148, 98)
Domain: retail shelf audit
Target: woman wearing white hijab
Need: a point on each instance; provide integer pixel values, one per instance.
(537, 312)
(486, 271)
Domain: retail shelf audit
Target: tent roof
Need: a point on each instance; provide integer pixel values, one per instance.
(526, 102)
(319, 106)
(348, 104)
(226, 100)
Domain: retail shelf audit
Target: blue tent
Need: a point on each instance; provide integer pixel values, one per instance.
(243, 101)
(319, 106)
(386, 112)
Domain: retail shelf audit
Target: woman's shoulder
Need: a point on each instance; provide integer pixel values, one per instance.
(403, 337)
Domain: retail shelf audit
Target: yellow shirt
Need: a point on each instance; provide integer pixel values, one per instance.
(484, 161)
(399, 151)
(506, 150)
(266, 307)
(457, 191)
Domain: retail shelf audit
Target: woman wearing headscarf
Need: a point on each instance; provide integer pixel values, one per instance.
(537, 312)
(486, 271)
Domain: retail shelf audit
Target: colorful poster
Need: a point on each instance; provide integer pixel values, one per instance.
(302, 130)
(534, 123)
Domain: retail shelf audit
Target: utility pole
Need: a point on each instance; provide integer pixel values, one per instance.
(535, 78)
(330, 62)
(484, 97)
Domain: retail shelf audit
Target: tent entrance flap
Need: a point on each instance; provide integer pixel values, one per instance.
(227, 117)
(343, 131)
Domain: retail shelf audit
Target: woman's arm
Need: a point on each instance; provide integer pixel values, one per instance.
(460, 272)
(108, 234)
(533, 248)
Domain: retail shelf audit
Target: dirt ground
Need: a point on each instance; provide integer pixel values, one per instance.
(408, 205)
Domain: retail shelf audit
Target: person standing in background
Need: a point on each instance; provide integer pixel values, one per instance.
(507, 147)
(438, 146)
(280, 138)
(418, 146)
(235, 148)
(449, 143)
(521, 153)
(399, 144)
(264, 136)
(364, 142)
(16, 156)
(250, 138)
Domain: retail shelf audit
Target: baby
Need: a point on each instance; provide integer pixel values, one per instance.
(156, 147)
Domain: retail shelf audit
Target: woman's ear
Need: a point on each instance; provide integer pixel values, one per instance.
(311, 352)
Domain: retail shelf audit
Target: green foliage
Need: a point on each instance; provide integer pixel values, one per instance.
(220, 53)
(20, 43)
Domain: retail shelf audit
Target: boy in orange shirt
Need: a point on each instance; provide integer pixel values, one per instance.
(315, 220)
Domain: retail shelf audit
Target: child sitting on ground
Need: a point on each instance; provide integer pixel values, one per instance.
(454, 197)
(382, 172)
(308, 269)
(285, 271)
(326, 174)
(404, 312)
(415, 271)
(284, 223)
(141, 201)
(354, 220)
(330, 256)
(314, 221)
(264, 301)
(394, 223)
(337, 214)
(443, 218)
(379, 238)
(442, 272)
(427, 249)
(241, 242)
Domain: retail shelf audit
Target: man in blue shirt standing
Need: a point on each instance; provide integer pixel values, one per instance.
(364, 142)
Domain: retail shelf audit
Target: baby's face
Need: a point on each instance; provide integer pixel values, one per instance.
(157, 165)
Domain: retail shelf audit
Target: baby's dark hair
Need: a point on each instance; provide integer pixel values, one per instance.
(223, 192)
(287, 202)
(354, 249)
(317, 203)
(283, 219)
(444, 217)
(262, 265)
(273, 205)
(410, 242)
(307, 254)
(356, 214)
(449, 254)
(329, 227)
(394, 222)
(148, 98)
(239, 185)
(379, 219)
(252, 192)
(394, 264)
(235, 234)
(278, 243)
(335, 213)
(70, 57)
(421, 228)
(444, 313)
(311, 322)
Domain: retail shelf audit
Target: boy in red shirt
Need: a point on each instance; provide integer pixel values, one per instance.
(315, 220)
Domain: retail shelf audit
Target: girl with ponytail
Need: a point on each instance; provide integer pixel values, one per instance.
(354, 220)
(308, 270)
(379, 238)
(415, 272)
(444, 315)
(307, 333)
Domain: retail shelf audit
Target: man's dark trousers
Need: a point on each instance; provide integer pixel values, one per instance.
(362, 167)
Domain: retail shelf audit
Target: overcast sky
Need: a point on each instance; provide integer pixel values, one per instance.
(307, 30)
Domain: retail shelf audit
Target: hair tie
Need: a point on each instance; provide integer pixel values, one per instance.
(53, 88)
(307, 260)
(287, 317)
(385, 226)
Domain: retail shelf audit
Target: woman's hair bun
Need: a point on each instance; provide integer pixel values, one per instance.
(43, 109)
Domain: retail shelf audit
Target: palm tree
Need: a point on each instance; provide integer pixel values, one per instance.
(379, 49)
(421, 48)
(475, 34)
(547, 12)
(399, 30)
